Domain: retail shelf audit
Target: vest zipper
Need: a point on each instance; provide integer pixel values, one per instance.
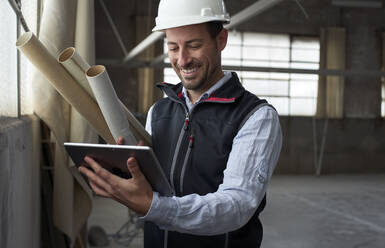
(226, 240)
(186, 158)
(177, 148)
(165, 241)
(179, 145)
(186, 121)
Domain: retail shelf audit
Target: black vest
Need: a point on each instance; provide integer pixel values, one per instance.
(193, 149)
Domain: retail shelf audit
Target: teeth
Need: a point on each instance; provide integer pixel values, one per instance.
(189, 70)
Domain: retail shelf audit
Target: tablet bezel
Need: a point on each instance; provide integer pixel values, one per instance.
(114, 159)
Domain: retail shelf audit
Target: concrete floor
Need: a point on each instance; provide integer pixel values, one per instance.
(303, 211)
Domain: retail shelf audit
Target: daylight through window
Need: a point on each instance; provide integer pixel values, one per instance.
(291, 94)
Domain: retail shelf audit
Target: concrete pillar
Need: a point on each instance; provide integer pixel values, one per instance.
(146, 84)
(362, 93)
(331, 88)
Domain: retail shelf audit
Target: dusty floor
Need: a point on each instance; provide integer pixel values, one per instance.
(302, 212)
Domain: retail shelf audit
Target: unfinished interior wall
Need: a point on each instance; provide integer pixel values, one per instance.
(353, 144)
(363, 27)
(146, 76)
(134, 20)
(349, 140)
(331, 88)
(363, 97)
(19, 182)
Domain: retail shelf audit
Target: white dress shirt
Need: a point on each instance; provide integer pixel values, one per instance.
(251, 163)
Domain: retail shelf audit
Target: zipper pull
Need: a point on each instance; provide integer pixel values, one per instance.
(186, 121)
(191, 141)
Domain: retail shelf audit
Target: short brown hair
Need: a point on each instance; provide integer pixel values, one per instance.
(214, 28)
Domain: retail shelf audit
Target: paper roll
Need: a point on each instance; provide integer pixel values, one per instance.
(137, 128)
(62, 81)
(108, 101)
(77, 67)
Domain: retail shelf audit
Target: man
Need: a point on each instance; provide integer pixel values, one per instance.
(217, 143)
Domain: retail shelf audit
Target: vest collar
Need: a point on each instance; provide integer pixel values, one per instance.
(227, 93)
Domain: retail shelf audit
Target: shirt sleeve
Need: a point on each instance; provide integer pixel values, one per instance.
(148, 120)
(253, 157)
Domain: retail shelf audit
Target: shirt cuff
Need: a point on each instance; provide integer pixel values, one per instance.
(162, 211)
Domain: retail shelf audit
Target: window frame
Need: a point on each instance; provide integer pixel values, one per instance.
(22, 66)
(239, 45)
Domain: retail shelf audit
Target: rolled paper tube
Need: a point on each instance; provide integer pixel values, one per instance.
(62, 81)
(108, 102)
(77, 67)
(137, 128)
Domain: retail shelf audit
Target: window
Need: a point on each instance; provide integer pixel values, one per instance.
(169, 74)
(15, 73)
(291, 94)
(383, 97)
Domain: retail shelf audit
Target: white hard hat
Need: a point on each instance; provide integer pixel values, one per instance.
(177, 13)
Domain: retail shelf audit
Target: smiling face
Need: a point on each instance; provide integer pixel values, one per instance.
(196, 57)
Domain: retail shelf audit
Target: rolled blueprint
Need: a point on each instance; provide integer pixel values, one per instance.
(62, 81)
(137, 128)
(77, 67)
(109, 103)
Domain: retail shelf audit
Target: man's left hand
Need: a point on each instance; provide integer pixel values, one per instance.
(136, 193)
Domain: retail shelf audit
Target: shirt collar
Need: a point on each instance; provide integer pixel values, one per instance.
(205, 95)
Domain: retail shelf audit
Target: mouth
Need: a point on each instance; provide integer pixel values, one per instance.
(189, 72)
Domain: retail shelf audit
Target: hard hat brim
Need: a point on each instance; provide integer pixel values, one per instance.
(180, 22)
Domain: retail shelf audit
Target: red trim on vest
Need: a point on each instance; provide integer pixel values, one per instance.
(180, 95)
(218, 99)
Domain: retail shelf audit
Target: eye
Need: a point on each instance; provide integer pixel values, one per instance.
(172, 48)
(195, 45)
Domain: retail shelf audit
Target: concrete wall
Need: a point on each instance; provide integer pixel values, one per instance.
(19, 182)
(353, 144)
(364, 27)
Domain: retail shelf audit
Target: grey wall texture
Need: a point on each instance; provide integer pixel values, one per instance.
(353, 144)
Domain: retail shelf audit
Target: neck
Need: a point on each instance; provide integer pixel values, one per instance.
(194, 95)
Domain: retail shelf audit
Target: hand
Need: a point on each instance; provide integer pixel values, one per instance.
(120, 141)
(136, 193)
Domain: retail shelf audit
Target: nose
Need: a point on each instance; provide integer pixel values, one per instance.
(184, 57)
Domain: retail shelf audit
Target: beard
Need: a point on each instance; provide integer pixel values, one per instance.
(198, 81)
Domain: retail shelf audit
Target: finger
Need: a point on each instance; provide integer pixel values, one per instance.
(99, 191)
(95, 179)
(105, 176)
(120, 141)
(133, 167)
(100, 171)
(140, 143)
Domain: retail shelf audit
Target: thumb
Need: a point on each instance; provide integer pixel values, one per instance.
(133, 168)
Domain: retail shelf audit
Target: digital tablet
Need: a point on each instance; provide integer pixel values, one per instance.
(114, 159)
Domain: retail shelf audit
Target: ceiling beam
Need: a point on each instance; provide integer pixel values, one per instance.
(251, 11)
(358, 3)
(323, 72)
(242, 16)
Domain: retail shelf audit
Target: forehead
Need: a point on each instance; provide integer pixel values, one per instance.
(186, 33)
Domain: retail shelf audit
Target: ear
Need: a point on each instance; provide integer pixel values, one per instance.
(222, 39)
